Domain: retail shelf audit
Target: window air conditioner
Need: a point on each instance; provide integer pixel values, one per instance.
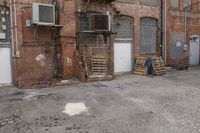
(43, 14)
(101, 22)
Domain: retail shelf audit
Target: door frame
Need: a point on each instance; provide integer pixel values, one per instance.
(193, 38)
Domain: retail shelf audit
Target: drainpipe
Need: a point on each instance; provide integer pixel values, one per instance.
(16, 30)
(185, 11)
(165, 31)
(11, 27)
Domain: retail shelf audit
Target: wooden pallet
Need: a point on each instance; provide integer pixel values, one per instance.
(88, 62)
(140, 69)
(158, 65)
(99, 65)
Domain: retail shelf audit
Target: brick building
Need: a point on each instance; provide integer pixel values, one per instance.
(39, 53)
(182, 33)
(135, 30)
(79, 45)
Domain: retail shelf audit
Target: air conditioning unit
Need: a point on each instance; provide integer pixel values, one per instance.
(101, 22)
(43, 14)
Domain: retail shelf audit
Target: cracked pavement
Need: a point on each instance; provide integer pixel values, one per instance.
(129, 104)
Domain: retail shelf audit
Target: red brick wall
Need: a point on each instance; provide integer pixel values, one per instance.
(68, 38)
(178, 25)
(134, 10)
(138, 11)
(37, 60)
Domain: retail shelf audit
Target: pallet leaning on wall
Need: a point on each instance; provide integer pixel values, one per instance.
(158, 66)
(140, 69)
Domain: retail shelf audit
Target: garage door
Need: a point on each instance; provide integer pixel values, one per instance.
(123, 46)
(5, 57)
(148, 35)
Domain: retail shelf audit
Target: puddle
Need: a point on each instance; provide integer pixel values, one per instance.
(75, 109)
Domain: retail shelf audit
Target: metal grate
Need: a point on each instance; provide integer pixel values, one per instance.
(46, 14)
(148, 36)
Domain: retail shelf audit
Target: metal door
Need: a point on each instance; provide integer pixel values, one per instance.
(123, 57)
(194, 52)
(123, 46)
(5, 67)
(148, 35)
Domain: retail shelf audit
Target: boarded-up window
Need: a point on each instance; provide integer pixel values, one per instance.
(123, 27)
(177, 44)
(174, 4)
(149, 2)
(148, 35)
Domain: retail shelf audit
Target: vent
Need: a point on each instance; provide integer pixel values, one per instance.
(43, 14)
(101, 22)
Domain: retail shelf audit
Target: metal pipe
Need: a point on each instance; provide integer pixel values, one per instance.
(165, 32)
(11, 27)
(185, 9)
(16, 28)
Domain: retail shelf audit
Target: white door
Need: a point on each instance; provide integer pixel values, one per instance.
(123, 57)
(194, 52)
(5, 66)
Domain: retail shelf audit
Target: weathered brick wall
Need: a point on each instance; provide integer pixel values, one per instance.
(176, 23)
(135, 10)
(37, 60)
(68, 37)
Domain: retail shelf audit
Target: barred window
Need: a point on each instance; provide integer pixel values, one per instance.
(87, 36)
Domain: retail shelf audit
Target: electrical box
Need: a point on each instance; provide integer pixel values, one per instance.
(28, 23)
(3, 20)
(4, 27)
(2, 36)
(43, 14)
(185, 47)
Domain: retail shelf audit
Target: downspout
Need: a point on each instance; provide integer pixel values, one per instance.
(185, 11)
(165, 34)
(11, 27)
(16, 30)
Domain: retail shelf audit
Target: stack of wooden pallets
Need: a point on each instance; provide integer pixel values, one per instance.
(99, 65)
(158, 65)
(140, 69)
